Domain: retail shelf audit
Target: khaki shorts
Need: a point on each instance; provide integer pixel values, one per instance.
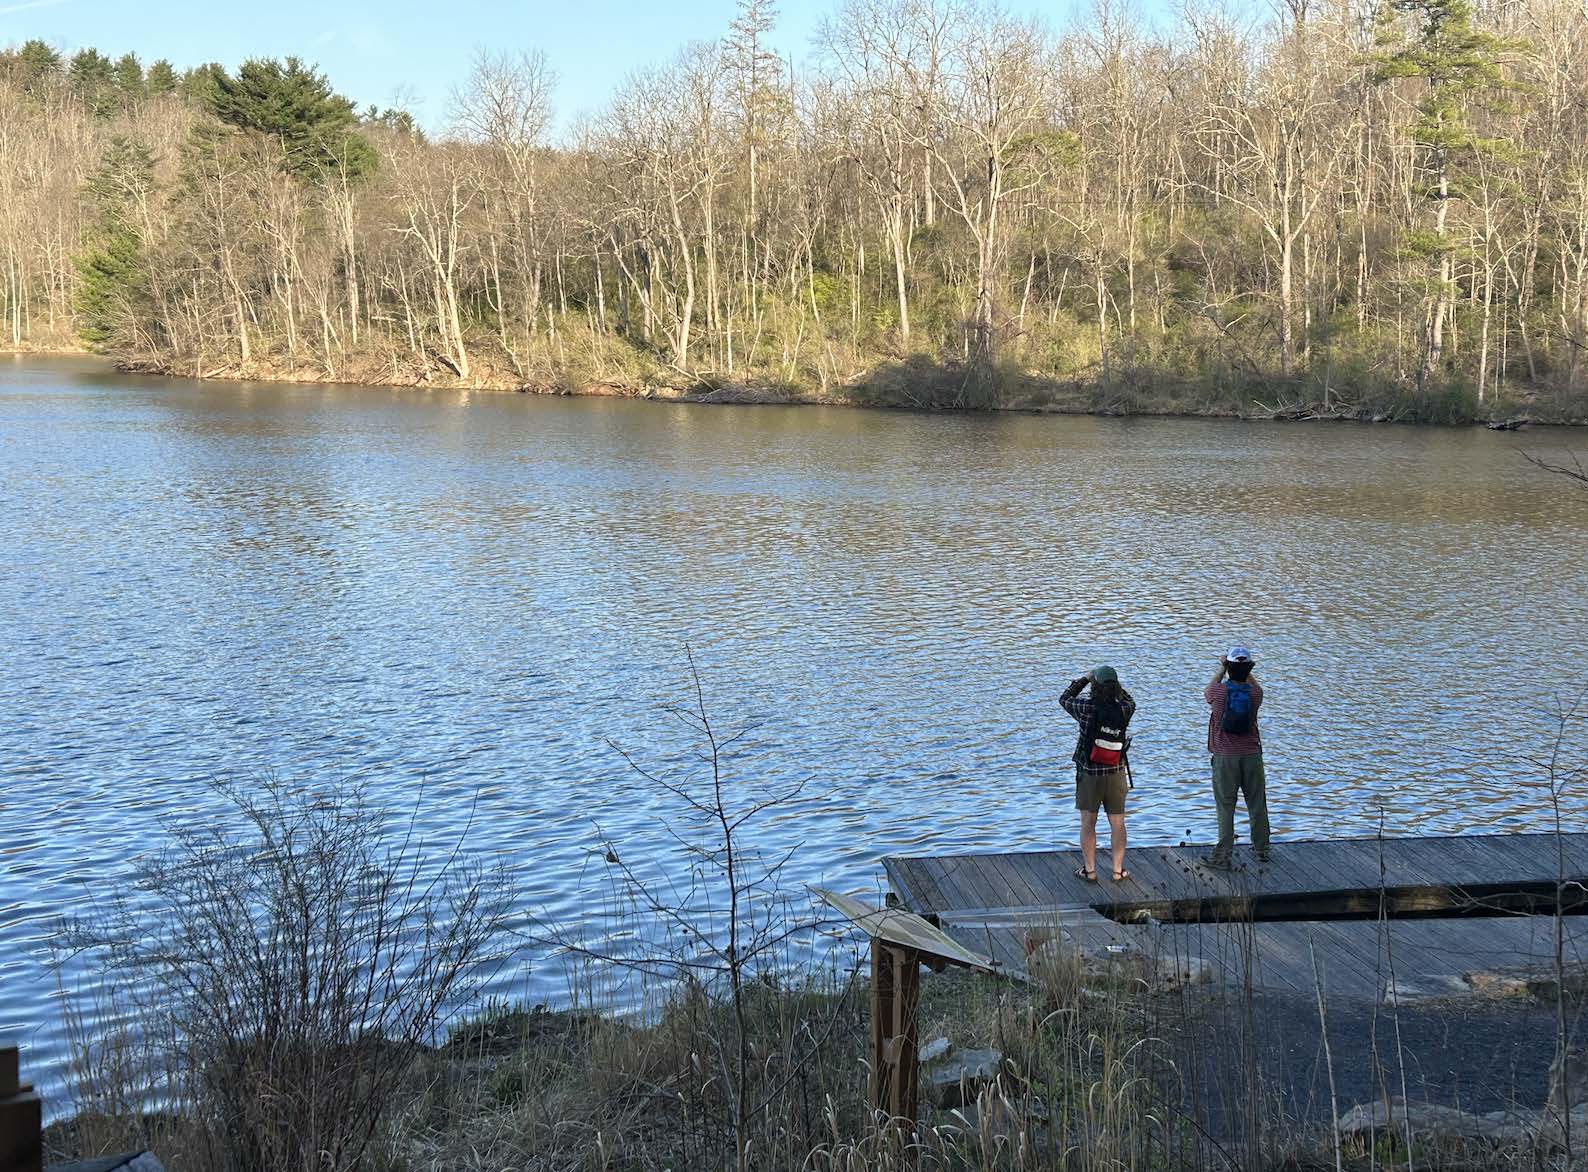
(1105, 790)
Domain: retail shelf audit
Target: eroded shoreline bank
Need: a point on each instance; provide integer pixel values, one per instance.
(936, 393)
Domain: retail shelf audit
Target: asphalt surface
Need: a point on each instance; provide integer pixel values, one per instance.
(1478, 1054)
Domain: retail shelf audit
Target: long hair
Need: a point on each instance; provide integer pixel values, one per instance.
(1105, 690)
(1239, 671)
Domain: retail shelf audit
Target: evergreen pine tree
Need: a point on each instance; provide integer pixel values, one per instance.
(162, 78)
(90, 67)
(1459, 65)
(294, 104)
(38, 64)
(129, 77)
(112, 290)
(200, 83)
(111, 283)
(93, 78)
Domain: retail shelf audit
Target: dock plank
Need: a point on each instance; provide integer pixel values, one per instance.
(933, 893)
(952, 882)
(1151, 870)
(980, 881)
(901, 880)
(913, 884)
(1039, 875)
(1014, 879)
(1297, 869)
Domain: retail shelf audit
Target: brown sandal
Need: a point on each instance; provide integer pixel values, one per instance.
(1121, 875)
(1083, 873)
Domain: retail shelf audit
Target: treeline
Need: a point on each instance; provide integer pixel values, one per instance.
(1355, 206)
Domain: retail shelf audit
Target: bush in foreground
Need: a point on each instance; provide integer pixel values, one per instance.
(279, 969)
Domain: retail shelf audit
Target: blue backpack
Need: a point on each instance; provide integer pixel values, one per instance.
(1237, 708)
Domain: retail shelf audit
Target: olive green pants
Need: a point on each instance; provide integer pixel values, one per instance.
(1240, 777)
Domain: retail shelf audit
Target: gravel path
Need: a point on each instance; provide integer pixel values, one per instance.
(1477, 1054)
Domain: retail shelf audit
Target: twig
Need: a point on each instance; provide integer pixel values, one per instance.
(1395, 993)
(1328, 1057)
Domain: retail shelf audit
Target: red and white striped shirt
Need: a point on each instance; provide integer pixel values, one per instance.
(1221, 743)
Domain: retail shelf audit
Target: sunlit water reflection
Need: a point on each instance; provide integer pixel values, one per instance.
(475, 593)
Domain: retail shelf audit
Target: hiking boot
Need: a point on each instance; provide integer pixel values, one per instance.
(1218, 860)
(1264, 855)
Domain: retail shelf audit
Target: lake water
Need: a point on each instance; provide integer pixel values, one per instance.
(473, 594)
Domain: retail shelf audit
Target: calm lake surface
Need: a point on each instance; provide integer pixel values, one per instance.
(468, 596)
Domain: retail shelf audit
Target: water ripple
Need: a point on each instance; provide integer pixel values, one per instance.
(468, 598)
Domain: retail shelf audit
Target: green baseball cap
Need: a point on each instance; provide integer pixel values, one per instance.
(1103, 674)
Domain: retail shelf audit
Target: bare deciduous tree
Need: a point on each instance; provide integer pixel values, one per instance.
(1325, 195)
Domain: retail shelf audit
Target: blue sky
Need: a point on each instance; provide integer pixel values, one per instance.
(415, 51)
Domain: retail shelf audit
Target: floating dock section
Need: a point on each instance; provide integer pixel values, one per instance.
(1371, 918)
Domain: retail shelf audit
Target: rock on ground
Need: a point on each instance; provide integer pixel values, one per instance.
(1430, 1122)
(959, 1076)
(130, 1162)
(1057, 962)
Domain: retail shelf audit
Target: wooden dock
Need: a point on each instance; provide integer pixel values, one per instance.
(1441, 914)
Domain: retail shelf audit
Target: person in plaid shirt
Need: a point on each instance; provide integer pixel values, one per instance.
(1237, 759)
(1098, 785)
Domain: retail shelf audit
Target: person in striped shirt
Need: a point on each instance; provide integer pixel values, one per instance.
(1237, 753)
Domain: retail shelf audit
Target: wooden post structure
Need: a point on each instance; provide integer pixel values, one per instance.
(901, 942)
(895, 1005)
(21, 1118)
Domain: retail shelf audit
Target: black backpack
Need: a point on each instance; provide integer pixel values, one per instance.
(1106, 742)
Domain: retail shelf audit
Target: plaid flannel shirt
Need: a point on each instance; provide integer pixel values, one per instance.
(1082, 707)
